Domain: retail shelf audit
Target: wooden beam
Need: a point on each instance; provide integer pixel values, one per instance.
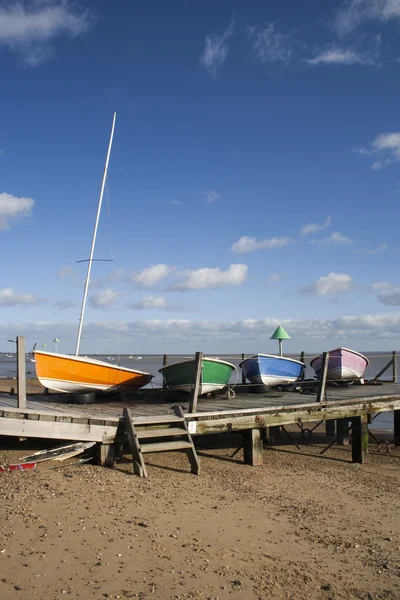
(323, 376)
(21, 372)
(252, 447)
(55, 429)
(198, 364)
(359, 439)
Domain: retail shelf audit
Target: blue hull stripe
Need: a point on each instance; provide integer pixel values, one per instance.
(275, 366)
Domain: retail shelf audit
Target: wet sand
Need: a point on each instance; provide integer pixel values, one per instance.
(300, 526)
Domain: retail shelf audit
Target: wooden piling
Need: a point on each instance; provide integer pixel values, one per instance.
(243, 375)
(330, 427)
(107, 454)
(252, 447)
(21, 372)
(198, 363)
(323, 376)
(396, 417)
(359, 439)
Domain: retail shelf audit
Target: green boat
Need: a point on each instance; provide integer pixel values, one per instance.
(180, 376)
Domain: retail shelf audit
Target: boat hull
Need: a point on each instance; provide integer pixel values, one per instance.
(180, 376)
(271, 370)
(75, 374)
(343, 365)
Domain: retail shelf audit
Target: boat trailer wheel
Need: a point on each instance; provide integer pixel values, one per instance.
(306, 434)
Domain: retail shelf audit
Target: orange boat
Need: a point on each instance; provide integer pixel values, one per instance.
(75, 374)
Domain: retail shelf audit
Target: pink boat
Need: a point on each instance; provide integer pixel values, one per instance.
(344, 364)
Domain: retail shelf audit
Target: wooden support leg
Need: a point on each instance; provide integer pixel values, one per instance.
(342, 432)
(396, 416)
(359, 439)
(330, 427)
(252, 447)
(274, 434)
(107, 455)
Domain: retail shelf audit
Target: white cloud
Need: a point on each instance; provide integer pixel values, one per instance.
(216, 50)
(274, 278)
(12, 207)
(330, 284)
(380, 248)
(269, 45)
(9, 298)
(314, 227)
(183, 335)
(390, 296)
(387, 146)
(150, 276)
(104, 299)
(335, 238)
(150, 302)
(211, 196)
(354, 13)
(335, 55)
(211, 278)
(250, 244)
(28, 27)
(381, 285)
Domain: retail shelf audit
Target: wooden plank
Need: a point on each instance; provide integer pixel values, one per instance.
(55, 430)
(359, 439)
(198, 364)
(164, 363)
(157, 420)
(323, 377)
(137, 459)
(243, 375)
(192, 454)
(41, 411)
(21, 372)
(156, 432)
(165, 446)
(394, 359)
(252, 448)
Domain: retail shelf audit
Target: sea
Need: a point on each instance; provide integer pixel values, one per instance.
(151, 363)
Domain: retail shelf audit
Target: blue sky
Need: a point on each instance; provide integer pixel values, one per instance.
(254, 178)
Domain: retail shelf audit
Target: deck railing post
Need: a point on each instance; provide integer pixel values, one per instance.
(396, 419)
(198, 363)
(323, 376)
(243, 375)
(21, 372)
(394, 354)
(164, 363)
(359, 438)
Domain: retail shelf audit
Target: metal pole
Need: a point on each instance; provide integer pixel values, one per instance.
(94, 237)
(280, 347)
(21, 372)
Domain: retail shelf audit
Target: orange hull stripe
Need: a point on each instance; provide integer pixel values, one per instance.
(66, 369)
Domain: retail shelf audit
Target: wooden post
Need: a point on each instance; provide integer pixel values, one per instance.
(198, 364)
(396, 418)
(394, 354)
(264, 431)
(164, 363)
(252, 447)
(302, 355)
(107, 454)
(342, 432)
(359, 439)
(243, 375)
(21, 372)
(330, 427)
(323, 375)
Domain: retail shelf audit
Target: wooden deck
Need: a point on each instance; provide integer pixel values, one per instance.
(50, 416)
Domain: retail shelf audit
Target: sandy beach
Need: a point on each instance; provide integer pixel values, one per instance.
(301, 526)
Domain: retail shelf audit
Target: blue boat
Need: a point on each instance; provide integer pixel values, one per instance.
(271, 370)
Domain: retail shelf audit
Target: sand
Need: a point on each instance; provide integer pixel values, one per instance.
(301, 526)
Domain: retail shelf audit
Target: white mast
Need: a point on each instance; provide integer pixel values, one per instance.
(94, 237)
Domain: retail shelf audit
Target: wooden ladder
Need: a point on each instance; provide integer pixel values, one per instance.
(161, 433)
